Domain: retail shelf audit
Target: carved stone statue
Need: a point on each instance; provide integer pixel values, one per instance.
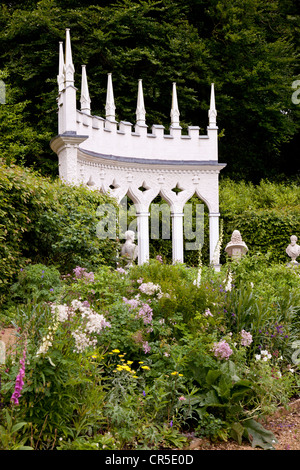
(236, 248)
(129, 250)
(293, 250)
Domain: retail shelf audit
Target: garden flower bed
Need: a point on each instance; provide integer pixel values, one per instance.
(154, 357)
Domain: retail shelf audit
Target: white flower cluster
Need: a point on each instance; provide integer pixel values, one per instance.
(89, 323)
(264, 356)
(149, 288)
(83, 341)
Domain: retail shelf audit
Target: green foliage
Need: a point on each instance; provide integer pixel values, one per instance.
(38, 283)
(258, 435)
(266, 215)
(9, 438)
(153, 373)
(249, 49)
(46, 222)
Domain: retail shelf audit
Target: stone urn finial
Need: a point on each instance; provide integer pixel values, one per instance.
(293, 250)
(236, 248)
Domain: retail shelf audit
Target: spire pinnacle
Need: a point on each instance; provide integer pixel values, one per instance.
(174, 110)
(85, 96)
(69, 66)
(110, 102)
(212, 113)
(61, 75)
(140, 108)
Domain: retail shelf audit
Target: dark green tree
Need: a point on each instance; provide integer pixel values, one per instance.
(248, 48)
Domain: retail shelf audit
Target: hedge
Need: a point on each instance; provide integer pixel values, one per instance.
(46, 221)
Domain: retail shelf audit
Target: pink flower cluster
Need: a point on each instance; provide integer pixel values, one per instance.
(246, 338)
(146, 347)
(145, 313)
(19, 380)
(81, 273)
(222, 350)
(132, 303)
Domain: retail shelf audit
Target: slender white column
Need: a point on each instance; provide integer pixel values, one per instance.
(110, 101)
(85, 96)
(174, 110)
(68, 99)
(143, 236)
(61, 75)
(214, 238)
(177, 236)
(140, 106)
(212, 113)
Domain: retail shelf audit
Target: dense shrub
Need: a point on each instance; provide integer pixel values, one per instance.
(266, 215)
(44, 221)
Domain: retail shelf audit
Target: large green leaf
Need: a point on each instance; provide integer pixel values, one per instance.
(258, 435)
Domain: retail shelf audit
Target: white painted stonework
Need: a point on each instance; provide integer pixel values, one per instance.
(118, 157)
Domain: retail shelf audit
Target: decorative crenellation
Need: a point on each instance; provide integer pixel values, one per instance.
(121, 158)
(107, 136)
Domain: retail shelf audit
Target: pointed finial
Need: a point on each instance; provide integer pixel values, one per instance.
(61, 75)
(212, 113)
(85, 96)
(174, 110)
(110, 102)
(140, 107)
(69, 66)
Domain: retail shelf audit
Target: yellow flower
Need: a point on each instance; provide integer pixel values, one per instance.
(115, 351)
(129, 362)
(174, 373)
(180, 375)
(146, 367)
(135, 376)
(141, 362)
(121, 355)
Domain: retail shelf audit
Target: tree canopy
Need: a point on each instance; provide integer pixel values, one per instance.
(248, 48)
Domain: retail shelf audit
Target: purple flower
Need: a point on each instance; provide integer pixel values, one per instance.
(19, 380)
(144, 393)
(222, 350)
(171, 423)
(146, 347)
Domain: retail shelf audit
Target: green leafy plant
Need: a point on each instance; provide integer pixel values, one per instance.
(9, 432)
(38, 283)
